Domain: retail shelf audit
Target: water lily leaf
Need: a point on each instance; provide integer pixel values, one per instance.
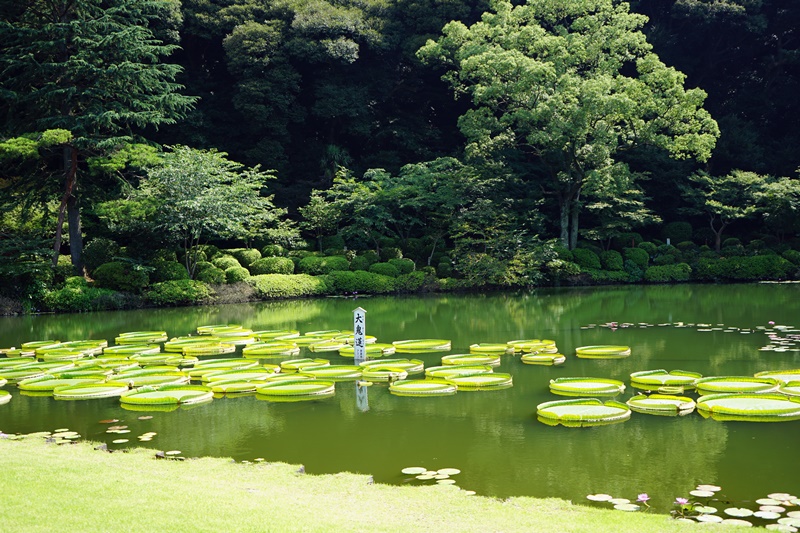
(600, 497)
(781, 527)
(626, 507)
(446, 481)
(449, 471)
(712, 488)
(793, 514)
(701, 493)
(767, 501)
(441, 476)
(709, 518)
(782, 496)
(173, 452)
(705, 509)
(772, 508)
(469, 493)
(425, 477)
(789, 521)
(738, 511)
(414, 470)
(737, 522)
(619, 501)
(119, 441)
(767, 515)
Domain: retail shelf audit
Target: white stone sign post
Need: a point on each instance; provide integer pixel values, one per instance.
(360, 354)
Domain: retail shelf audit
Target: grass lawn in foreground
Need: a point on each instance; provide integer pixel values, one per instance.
(46, 487)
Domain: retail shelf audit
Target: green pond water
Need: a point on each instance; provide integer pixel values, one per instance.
(493, 437)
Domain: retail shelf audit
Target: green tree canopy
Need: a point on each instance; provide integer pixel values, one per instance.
(568, 86)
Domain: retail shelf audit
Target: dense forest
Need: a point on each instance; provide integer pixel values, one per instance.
(159, 152)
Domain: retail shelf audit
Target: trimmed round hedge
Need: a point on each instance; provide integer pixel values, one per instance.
(318, 265)
(224, 262)
(245, 256)
(168, 271)
(384, 269)
(120, 276)
(272, 265)
(178, 292)
(235, 274)
(210, 274)
(404, 265)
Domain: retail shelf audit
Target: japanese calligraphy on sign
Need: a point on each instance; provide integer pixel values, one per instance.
(359, 334)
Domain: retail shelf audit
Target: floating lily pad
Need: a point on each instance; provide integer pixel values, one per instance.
(783, 376)
(586, 386)
(489, 348)
(781, 527)
(412, 366)
(735, 384)
(371, 350)
(750, 407)
(447, 371)
(471, 359)
(701, 493)
(414, 470)
(268, 349)
(543, 358)
(584, 410)
(771, 508)
(626, 507)
(449, 471)
(781, 496)
(384, 374)
(482, 381)
(789, 521)
(336, 372)
(655, 379)
(5, 397)
(619, 501)
(302, 387)
(446, 481)
(705, 509)
(422, 387)
(89, 391)
(767, 515)
(327, 346)
(425, 477)
(119, 441)
(737, 522)
(661, 404)
(422, 345)
(603, 352)
(712, 488)
(600, 497)
(738, 511)
(168, 394)
(710, 518)
(534, 345)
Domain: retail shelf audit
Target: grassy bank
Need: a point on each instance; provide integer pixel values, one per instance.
(44, 487)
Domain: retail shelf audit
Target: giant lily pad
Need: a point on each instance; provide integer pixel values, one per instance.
(790, 389)
(661, 404)
(48, 383)
(168, 394)
(749, 407)
(491, 348)
(301, 387)
(5, 397)
(537, 358)
(269, 349)
(269, 334)
(586, 387)
(331, 345)
(783, 376)
(89, 391)
(471, 359)
(422, 345)
(422, 387)
(412, 366)
(371, 350)
(534, 345)
(212, 348)
(336, 372)
(482, 381)
(727, 384)
(294, 365)
(603, 352)
(141, 337)
(384, 374)
(177, 344)
(656, 379)
(130, 349)
(246, 374)
(446, 371)
(583, 411)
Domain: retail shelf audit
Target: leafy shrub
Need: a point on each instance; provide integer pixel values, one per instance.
(224, 262)
(391, 252)
(64, 269)
(359, 281)
(611, 260)
(178, 292)
(315, 265)
(385, 269)
(98, 251)
(563, 252)
(404, 266)
(211, 275)
(639, 256)
(558, 269)
(360, 262)
(757, 267)
(687, 246)
(168, 271)
(209, 250)
(164, 255)
(731, 241)
(288, 285)
(272, 265)
(586, 258)
(444, 269)
(76, 296)
(668, 273)
(585, 245)
(792, 255)
(120, 276)
(198, 255)
(661, 260)
(273, 250)
(414, 281)
(333, 242)
(677, 231)
(648, 247)
(624, 240)
(732, 250)
(245, 256)
(371, 255)
(756, 245)
(236, 274)
(635, 272)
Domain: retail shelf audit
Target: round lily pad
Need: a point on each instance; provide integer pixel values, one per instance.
(449, 471)
(422, 345)
(339, 372)
(750, 407)
(168, 394)
(600, 497)
(471, 359)
(705, 509)
(489, 348)
(422, 387)
(619, 501)
(662, 404)
(583, 410)
(586, 386)
(446, 481)
(738, 511)
(782, 496)
(712, 488)
(304, 387)
(482, 381)
(781, 527)
(543, 358)
(87, 391)
(626, 507)
(414, 470)
(737, 522)
(119, 441)
(767, 515)
(789, 521)
(709, 518)
(701, 493)
(603, 352)
(425, 477)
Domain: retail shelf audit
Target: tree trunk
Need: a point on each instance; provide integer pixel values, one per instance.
(75, 237)
(70, 158)
(573, 224)
(564, 206)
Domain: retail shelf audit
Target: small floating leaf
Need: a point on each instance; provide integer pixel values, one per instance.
(600, 497)
(701, 493)
(109, 421)
(782, 496)
(772, 508)
(425, 477)
(148, 417)
(414, 470)
(173, 452)
(449, 471)
(737, 522)
(712, 488)
(626, 507)
(705, 509)
(619, 501)
(119, 441)
(767, 501)
(709, 518)
(738, 511)
(767, 515)
(446, 481)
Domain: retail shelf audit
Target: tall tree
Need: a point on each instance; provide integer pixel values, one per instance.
(92, 67)
(568, 85)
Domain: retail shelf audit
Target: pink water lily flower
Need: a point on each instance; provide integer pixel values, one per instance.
(643, 497)
(681, 501)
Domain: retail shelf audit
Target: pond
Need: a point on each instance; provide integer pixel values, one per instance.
(493, 437)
